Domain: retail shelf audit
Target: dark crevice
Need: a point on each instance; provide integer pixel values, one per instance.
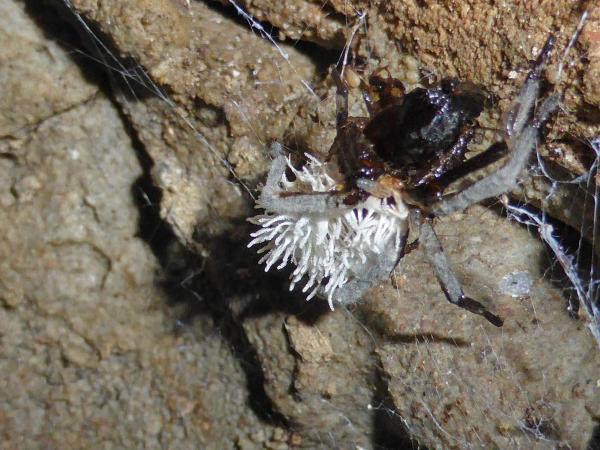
(190, 281)
(58, 25)
(594, 443)
(187, 279)
(228, 285)
(389, 431)
(99, 59)
(201, 286)
(588, 114)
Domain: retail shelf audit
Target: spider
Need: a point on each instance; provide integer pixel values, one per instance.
(344, 222)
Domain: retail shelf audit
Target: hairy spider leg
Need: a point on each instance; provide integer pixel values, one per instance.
(274, 198)
(521, 111)
(341, 100)
(448, 160)
(522, 137)
(367, 98)
(450, 285)
(343, 130)
(522, 132)
(487, 157)
(354, 151)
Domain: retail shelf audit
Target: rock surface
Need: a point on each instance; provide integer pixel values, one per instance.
(93, 283)
(90, 354)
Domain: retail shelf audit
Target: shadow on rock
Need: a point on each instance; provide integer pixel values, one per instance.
(228, 285)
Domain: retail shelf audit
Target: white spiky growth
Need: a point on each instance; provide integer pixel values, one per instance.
(328, 249)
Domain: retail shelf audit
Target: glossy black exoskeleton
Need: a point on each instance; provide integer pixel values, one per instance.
(416, 137)
(421, 131)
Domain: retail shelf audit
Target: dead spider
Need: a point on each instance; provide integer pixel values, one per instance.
(344, 222)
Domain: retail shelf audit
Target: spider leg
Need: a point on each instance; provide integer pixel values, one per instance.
(520, 112)
(273, 198)
(448, 160)
(367, 98)
(341, 100)
(435, 254)
(522, 138)
(351, 148)
(489, 156)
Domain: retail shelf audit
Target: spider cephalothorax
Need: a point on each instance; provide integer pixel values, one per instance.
(415, 138)
(344, 222)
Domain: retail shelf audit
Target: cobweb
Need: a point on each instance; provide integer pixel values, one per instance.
(579, 265)
(572, 261)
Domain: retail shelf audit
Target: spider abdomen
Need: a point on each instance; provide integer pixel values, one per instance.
(424, 124)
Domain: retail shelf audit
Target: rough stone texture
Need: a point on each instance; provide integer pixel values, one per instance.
(404, 364)
(591, 38)
(458, 382)
(454, 381)
(234, 94)
(22, 103)
(89, 355)
(319, 375)
(487, 42)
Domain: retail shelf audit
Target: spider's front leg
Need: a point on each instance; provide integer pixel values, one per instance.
(341, 100)
(274, 198)
(435, 254)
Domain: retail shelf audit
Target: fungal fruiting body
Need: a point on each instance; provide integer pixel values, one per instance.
(328, 249)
